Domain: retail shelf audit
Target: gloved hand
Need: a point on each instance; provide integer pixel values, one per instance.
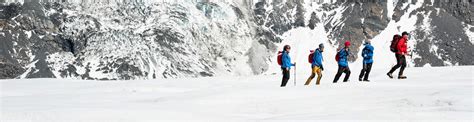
(322, 68)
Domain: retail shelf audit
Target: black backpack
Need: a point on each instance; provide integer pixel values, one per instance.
(393, 46)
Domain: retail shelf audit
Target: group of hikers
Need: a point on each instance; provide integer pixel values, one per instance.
(398, 46)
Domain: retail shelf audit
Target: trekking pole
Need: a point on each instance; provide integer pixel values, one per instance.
(295, 76)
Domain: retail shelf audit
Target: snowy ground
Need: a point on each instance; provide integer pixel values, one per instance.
(444, 94)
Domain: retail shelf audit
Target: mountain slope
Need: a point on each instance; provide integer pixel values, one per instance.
(175, 39)
(126, 41)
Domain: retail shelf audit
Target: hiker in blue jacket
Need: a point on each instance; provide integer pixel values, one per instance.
(342, 62)
(316, 65)
(286, 65)
(367, 54)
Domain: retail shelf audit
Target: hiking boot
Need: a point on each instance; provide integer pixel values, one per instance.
(360, 79)
(402, 77)
(390, 75)
(367, 80)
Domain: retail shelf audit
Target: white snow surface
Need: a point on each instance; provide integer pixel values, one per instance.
(429, 94)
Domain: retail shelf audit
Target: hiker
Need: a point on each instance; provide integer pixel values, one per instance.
(367, 55)
(400, 52)
(285, 64)
(316, 64)
(341, 58)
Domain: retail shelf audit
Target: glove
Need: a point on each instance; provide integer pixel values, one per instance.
(322, 68)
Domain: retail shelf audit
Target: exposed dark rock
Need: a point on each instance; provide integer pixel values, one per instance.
(452, 44)
(460, 9)
(10, 11)
(10, 70)
(362, 20)
(313, 21)
(299, 16)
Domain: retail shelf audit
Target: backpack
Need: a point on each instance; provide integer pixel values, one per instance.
(279, 58)
(364, 50)
(393, 46)
(310, 56)
(337, 55)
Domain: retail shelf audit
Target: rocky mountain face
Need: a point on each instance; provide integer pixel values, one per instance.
(444, 38)
(123, 41)
(148, 40)
(360, 20)
(343, 20)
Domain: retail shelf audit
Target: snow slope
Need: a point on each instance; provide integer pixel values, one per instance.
(441, 93)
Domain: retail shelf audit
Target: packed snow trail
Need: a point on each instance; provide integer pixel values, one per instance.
(443, 93)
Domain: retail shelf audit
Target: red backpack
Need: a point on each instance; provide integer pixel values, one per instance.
(279, 58)
(310, 56)
(337, 55)
(393, 45)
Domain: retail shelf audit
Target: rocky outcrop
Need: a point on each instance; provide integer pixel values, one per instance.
(461, 9)
(28, 37)
(361, 20)
(313, 21)
(128, 41)
(440, 36)
(280, 19)
(10, 70)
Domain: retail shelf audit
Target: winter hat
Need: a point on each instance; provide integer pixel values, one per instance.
(321, 45)
(367, 41)
(347, 43)
(404, 33)
(286, 47)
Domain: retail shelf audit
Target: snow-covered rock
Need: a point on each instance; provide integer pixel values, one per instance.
(146, 39)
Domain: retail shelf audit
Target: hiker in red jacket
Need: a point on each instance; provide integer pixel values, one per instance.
(400, 55)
